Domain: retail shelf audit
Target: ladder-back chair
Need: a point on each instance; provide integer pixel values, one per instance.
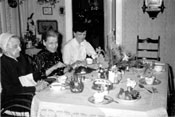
(148, 48)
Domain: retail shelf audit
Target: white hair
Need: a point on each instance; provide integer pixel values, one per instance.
(4, 39)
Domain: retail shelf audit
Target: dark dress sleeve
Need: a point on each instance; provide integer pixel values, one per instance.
(39, 70)
(24, 60)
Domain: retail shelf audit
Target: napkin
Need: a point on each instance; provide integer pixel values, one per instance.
(27, 80)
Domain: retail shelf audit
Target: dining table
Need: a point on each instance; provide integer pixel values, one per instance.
(64, 103)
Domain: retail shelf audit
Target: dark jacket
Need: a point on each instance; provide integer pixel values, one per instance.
(45, 59)
(11, 70)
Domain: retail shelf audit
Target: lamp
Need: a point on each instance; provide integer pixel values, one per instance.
(51, 2)
(153, 7)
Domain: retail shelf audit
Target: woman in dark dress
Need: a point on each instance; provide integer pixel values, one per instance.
(14, 65)
(48, 61)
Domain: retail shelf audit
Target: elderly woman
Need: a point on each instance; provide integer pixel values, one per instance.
(13, 66)
(48, 61)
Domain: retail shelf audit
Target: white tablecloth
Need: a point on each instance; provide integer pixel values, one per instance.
(64, 103)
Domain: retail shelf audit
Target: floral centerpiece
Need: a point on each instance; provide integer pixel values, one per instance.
(30, 34)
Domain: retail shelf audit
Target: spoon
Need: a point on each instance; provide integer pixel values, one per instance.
(115, 101)
(141, 86)
(112, 100)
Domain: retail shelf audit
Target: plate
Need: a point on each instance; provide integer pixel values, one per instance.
(107, 100)
(50, 80)
(59, 86)
(122, 101)
(156, 82)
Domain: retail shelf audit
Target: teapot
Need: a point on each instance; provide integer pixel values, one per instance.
(76, 84)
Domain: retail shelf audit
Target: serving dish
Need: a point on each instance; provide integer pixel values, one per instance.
(124, 101)
(100, 84)
(128, 96)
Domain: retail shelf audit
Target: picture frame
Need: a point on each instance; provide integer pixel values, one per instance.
(47, 11)
(45, 25)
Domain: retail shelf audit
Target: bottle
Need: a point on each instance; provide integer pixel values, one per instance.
(99, 71)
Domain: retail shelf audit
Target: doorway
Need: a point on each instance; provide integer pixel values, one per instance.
(90, 12)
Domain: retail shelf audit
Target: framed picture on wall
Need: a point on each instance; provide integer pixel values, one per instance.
(47, 11)
(45, 25)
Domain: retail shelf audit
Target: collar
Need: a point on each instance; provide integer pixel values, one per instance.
(11, 57)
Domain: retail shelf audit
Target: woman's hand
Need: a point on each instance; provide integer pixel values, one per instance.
(79, 63)
(41, 85)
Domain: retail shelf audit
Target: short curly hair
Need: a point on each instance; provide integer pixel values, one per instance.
(79, 27)
(50, 33)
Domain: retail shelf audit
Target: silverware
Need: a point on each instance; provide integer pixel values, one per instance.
(142, 86)
(112, 100)
(154, 90)
(115, 101)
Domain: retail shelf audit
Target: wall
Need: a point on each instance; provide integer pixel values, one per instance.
(135, 22)
(55, 16)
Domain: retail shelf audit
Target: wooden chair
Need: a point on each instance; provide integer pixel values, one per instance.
(148, 48)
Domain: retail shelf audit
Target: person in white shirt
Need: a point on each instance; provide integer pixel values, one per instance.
(76, 50)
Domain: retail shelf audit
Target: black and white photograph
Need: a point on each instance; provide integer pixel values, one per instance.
(87, 58)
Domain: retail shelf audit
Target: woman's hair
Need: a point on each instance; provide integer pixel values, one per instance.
(50, 33)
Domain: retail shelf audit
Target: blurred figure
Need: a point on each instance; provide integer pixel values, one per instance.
(76, 50)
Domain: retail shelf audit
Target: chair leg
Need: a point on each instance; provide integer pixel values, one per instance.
(170, 80)
(171, 105)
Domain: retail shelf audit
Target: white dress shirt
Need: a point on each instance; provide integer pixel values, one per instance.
(74, 51)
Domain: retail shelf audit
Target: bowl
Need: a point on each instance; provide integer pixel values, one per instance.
(56, 87)
(149, 80)
(158, 68)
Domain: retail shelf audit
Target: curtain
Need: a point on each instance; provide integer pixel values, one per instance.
(9, 18)
(27, 7)
(0, 21)
(14, 20)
